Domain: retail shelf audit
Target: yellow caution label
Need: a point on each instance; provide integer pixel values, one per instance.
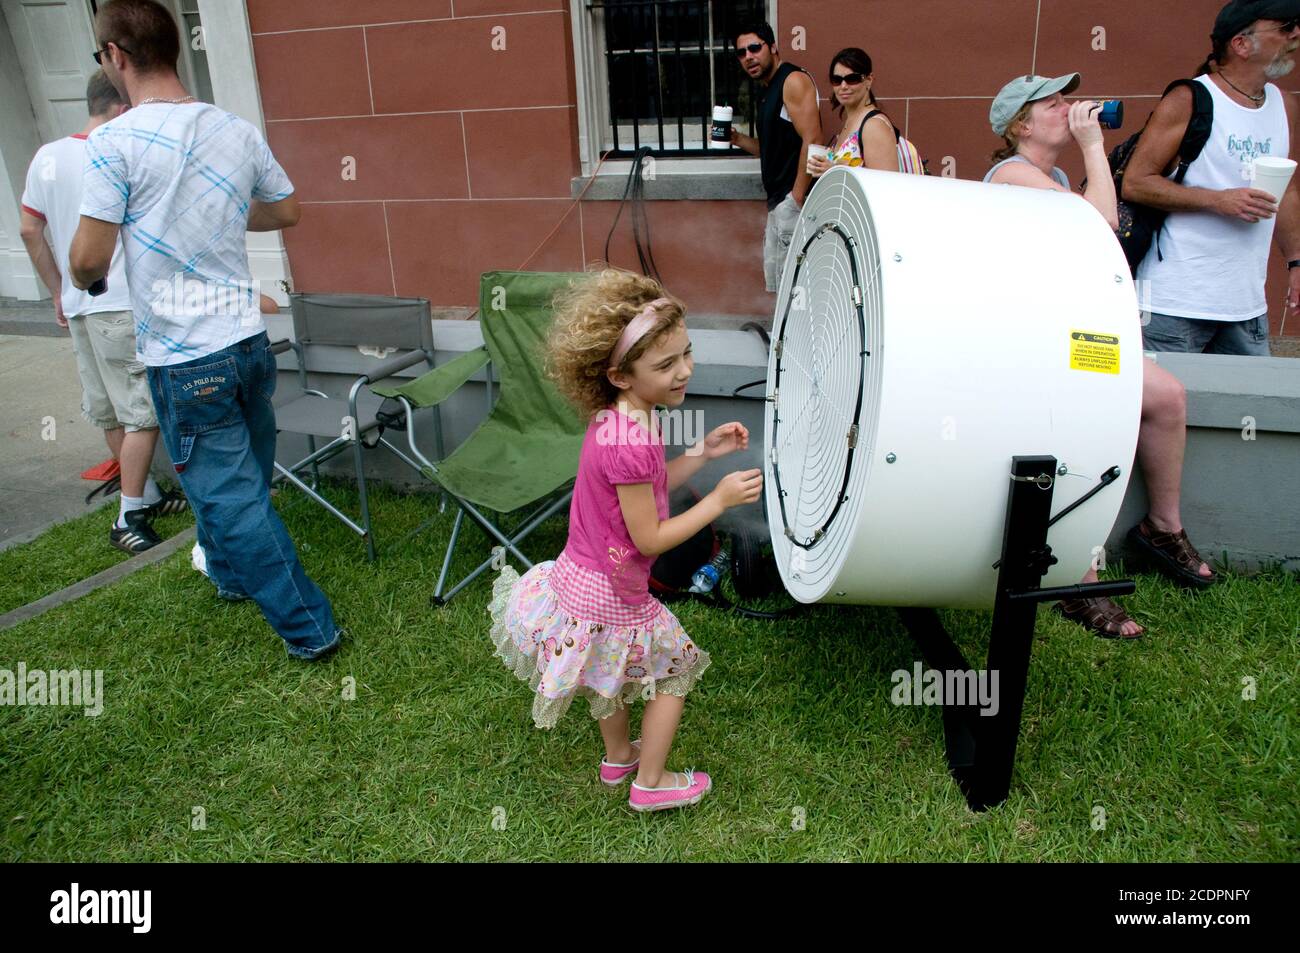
(1094, 352)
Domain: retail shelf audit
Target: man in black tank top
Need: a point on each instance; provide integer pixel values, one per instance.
(788, 122)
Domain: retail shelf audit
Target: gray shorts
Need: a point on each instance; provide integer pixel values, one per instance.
(781, 222)
(114, 388)
(1196, 336)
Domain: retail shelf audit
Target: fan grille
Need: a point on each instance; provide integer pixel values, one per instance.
(823, 387)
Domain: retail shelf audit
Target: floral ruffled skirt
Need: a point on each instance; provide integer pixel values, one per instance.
(561, 628)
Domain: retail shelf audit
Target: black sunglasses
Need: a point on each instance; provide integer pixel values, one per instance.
(100, 52)
(752, 48)
(851, 78)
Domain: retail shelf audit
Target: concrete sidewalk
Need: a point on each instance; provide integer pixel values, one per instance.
(40, 482)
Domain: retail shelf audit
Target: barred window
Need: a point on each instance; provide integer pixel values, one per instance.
(666, 64)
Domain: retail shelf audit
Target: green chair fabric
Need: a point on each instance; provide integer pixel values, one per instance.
(529, 444)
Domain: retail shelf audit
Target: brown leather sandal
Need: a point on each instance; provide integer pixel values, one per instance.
(1099, 614)
(1172, 553)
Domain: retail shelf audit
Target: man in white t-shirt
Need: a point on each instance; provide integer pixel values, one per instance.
(182, 181)
(1204, 275)
(115, 392)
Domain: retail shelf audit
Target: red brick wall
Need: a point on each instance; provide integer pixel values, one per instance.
(463, 154)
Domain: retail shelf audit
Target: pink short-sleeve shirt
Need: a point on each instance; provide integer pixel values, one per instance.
(616, 450)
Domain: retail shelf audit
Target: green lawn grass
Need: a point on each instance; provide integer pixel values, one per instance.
(204, 710)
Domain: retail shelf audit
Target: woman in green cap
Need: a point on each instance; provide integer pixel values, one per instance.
(1037, 123)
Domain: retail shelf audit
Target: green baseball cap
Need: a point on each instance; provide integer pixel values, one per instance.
(1027, 89)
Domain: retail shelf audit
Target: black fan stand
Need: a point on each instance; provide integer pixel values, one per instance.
(981, 749)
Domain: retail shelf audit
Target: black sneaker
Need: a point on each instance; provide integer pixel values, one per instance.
(171, 502)
(138, 535)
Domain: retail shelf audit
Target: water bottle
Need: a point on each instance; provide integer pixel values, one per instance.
(708, 575)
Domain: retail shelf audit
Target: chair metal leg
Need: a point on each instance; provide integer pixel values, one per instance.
(541, 515)
(292, 477)
(365, 501)
(443, 600)
(315, 467)
(440, 449)
(492, 531)
(446, 561)
(320, 455)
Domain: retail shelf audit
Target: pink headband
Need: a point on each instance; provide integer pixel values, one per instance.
(635, 330)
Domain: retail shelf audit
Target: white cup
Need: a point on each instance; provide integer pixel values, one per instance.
(720, 132)
(1272, 174)
(821, 152)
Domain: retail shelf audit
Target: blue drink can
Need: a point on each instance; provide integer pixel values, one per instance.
(1112, 114)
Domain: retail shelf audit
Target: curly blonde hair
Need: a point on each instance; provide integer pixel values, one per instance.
(589, 316)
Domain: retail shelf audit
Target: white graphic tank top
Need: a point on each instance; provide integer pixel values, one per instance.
(1214, 267)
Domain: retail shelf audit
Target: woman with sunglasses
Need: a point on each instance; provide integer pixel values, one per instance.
(867, 138)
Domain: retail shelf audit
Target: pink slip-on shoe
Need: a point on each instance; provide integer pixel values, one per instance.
(660, 799)
(613, 774)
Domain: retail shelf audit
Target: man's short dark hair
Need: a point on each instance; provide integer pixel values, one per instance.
(144, 30)
(101, 94)
(760, 29)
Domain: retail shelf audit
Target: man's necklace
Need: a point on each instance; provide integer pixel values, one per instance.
(190, 99)
(1254, 99)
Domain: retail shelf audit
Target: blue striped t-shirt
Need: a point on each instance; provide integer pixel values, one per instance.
(179, 179)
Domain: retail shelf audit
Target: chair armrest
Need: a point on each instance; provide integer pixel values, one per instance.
(440, 383)
(391, 366)
(285, 344)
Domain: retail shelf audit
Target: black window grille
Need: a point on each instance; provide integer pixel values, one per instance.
(669, 62)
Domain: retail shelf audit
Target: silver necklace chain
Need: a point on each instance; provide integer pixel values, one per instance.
(1254, 99)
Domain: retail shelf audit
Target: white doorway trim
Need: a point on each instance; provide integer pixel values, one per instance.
(229, 42)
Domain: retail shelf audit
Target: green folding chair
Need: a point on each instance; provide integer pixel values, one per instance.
(525, 454)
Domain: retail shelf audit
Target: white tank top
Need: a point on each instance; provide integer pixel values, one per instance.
(1214, 267)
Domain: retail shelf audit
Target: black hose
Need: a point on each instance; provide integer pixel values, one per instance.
(717, 600)
(767, 341)
(635, 187)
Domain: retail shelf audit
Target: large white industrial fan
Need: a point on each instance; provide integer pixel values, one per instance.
(926, 331)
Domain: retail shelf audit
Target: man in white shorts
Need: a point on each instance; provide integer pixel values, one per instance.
(115, 390)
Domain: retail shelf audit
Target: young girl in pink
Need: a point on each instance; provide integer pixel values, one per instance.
(585, 623)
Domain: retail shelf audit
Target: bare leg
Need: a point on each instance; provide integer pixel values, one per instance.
(114, 440)
(618, 747)
(658, 728)
(136, 456)
(1161, 441)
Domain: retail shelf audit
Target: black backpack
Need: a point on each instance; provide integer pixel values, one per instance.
(1139, 225)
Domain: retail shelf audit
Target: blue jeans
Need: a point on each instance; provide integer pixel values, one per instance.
(1197, 336)
(217, 422)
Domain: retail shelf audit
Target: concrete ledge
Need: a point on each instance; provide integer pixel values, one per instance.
(732, 179)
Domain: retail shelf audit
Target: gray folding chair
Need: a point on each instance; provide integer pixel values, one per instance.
(352, 321)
